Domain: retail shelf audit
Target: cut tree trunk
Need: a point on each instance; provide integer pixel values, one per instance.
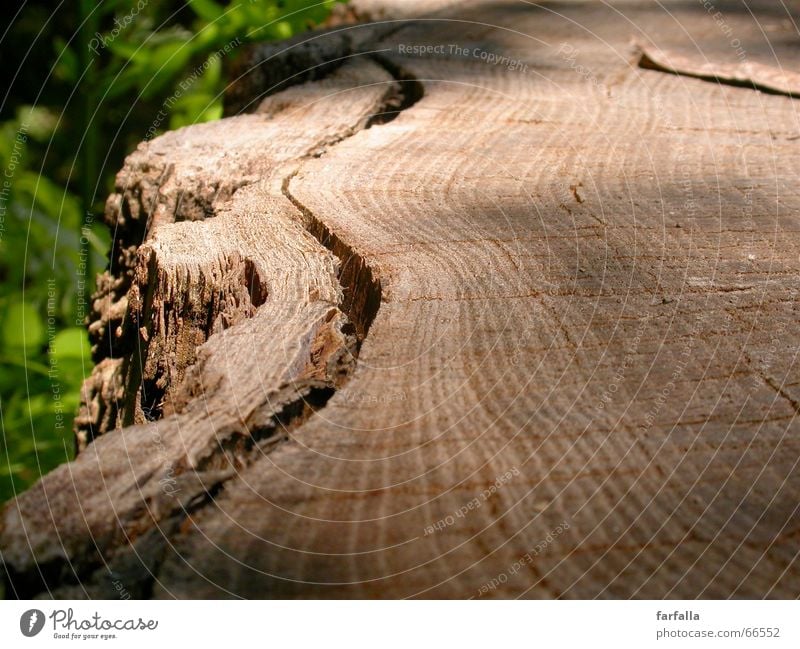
(509, 314)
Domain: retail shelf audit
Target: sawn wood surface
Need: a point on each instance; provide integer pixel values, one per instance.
(512, 314)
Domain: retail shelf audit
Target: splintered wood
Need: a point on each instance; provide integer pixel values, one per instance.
(436, 325)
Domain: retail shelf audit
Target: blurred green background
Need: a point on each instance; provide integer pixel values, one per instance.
(83, 85)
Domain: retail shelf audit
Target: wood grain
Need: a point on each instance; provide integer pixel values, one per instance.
(765, 78)
(531, 333)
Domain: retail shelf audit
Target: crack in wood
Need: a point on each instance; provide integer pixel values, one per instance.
(267, 428)
(745, 74)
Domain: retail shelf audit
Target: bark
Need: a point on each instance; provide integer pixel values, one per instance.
(421, 323)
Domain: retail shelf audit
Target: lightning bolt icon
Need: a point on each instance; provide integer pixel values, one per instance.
(32, 621)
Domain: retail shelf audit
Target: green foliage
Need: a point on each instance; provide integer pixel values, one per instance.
(135, 68)
(23, 328)
(157, 52)
(43, 355)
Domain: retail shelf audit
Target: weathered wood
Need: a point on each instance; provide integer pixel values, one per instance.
(767, 78)
(444, 326)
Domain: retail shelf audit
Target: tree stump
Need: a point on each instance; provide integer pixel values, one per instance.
(500, 302)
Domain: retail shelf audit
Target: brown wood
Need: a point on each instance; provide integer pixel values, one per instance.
(767, 78)
(439, 326)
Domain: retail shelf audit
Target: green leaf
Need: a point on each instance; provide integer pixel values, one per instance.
(71, 344)
(39, 122)
(71, 360)
(206, 9)
(67, 67)
(127, 51)
(60, 206)
(23, 327)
